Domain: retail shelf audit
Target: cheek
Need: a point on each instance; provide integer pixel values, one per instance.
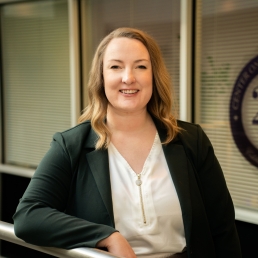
(110, 82)
(150, 83)
(149, 78)
(150, 94)
(109, 89)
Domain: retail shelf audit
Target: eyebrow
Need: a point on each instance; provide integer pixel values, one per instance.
(136, 61)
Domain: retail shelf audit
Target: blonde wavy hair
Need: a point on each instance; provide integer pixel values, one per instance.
(161, 103)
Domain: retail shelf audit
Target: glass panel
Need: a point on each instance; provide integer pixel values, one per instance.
(161, 19)
(229, 90)
(35, 47)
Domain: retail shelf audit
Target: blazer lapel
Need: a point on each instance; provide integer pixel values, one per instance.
(99, 166)
(178, 167)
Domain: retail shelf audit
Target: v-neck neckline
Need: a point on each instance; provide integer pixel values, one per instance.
(144, 164)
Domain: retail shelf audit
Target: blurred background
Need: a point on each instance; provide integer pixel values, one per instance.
(210, 48)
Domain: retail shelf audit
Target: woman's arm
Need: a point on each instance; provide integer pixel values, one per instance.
(40, 217)
(117, 245)
(218, 203)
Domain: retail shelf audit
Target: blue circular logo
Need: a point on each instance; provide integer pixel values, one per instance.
(244, 112)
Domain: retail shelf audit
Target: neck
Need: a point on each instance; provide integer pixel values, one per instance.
(129, 122)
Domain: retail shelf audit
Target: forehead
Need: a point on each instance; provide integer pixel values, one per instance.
(126, 47)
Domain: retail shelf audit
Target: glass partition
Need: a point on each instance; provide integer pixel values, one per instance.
(161, 19)
(227, 106)
(36, 80)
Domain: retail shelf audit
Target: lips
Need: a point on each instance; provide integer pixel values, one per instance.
(129, 91)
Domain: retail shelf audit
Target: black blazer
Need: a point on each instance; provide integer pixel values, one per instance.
(68, 202)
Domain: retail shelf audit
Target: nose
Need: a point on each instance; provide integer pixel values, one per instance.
(128, 77)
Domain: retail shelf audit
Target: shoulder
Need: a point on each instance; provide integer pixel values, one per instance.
(195, 142)
(186, 125)
(192, 134)
(76, 137)
(77, 131)
(189, 131)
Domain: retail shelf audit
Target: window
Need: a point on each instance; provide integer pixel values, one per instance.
(227, 37)
(161, 19)
(36, 78)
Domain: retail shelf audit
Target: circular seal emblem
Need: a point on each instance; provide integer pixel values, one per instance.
(244, 112)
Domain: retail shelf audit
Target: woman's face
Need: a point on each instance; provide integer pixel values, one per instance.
(127, 73)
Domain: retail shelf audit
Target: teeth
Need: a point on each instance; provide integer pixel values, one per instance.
(128, 91)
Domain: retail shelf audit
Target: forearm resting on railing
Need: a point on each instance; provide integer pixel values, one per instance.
(7, 234)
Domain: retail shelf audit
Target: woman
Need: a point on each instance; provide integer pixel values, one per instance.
(130, 177)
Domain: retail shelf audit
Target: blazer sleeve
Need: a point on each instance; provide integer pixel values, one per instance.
(40, 218)
(216, 197)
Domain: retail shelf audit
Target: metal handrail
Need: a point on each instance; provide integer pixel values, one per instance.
(7, 234)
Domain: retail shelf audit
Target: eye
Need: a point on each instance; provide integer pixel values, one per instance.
(114, 67)
(142, 67)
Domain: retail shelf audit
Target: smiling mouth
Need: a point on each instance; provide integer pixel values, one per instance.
(129, 91)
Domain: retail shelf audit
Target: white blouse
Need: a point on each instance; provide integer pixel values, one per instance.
(148, 215)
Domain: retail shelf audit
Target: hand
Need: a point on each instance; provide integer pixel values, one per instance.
(117, 245)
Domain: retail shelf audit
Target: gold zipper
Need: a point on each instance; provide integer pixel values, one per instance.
(139, 183)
